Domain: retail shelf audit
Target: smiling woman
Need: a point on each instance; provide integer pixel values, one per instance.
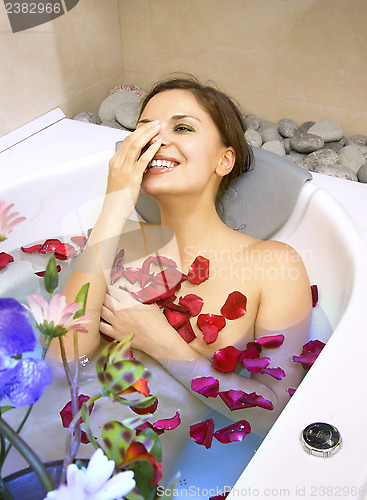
(192, 322)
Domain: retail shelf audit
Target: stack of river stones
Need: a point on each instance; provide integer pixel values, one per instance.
(318, 147)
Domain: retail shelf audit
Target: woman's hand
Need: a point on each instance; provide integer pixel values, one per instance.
(125, 315)
(127, 166)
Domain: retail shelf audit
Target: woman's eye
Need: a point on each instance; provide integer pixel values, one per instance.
(183, 128)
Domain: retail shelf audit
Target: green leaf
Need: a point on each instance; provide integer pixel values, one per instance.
(51, 278)
(143, 475)
(116, 438)
(3, 409)
(121, 375)
(102, 361)
(134, 495)
(121, 350)
(81, 298)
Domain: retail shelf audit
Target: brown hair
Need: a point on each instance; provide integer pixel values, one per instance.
(224, 113)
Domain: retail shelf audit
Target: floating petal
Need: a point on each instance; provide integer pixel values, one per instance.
(49, 245)
(271, 341)
(252, 351)
(225, 360)
(309, 354)
(5, 259)
(255, 365)
(291, 391)
(232, 399)
(206, 386)
(65, 251)
(202, 432)
(168, 424)
(210, 325)
(256, 400)
(192, 302)
(199, 270)
(186, 332)
(31, 249)
(315, 295)
(234, 306)
(176, 318)
(277, 373)
(233, 432)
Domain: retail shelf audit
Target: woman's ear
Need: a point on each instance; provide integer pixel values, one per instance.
(226, 162)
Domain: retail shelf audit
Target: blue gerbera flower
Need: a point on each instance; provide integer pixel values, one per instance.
(22, 381)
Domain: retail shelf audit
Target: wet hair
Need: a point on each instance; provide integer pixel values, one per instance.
(225, 114)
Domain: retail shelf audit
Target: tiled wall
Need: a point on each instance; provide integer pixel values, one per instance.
(69, 62)
(302, 59)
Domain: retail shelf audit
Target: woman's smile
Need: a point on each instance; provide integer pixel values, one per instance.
(161, 164)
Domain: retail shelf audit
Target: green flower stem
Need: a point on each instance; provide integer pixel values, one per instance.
(28, 454)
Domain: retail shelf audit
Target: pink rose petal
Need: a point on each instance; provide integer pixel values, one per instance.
(132, 274)
(193, 302)
(168, 424)
(199, 270)
(206, 386)
(252, 351)
(225, 360)
(233, 399)
(233, 432)
(271, 341)
(202, 432)
(5, 259)
(234, 306)
(256, 400)
(277, 373)
(210, 325)
(148, 425)
(291, 391)
(309, 354)
(315, 295)
(186, 332)
(254, 365)
(150, 294)
(81, 241)
(169, 278)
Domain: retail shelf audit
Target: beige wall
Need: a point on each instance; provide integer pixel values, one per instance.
(301, 59)
(70, 62)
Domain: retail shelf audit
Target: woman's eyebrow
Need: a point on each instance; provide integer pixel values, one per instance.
(174, 118)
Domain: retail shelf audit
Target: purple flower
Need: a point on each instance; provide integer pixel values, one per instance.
(21, 380)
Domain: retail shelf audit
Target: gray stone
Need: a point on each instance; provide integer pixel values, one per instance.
(328, 130)
(335, 146)
(358, 140)
(320, 158)
(108, 107)
(362, 173)
(253, 138)
(113, 124)
(87, 117)
(252, 121)
(287, 127)
(287, 144)
(275, 147)
(297, 158)
(351, 157)
(269, 132)
(306, 143)
(127, 114)
(304, 127)
(337, 170)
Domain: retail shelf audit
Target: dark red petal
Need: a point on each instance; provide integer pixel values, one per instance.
(176, 318)
(210, 325)
(255, 365)
(168, 424)
(202, 432)
(165, 302)
(157, 261)
(219, 497)
(233, 432)
(5, 259)
(117, 267)
(234, 306)
(177, 307)
(84, 438)
(145, 411)
(206, 386)
(309, 354)
(252, 351)
(225, 360)
(186, 332)
(233, 399)
(291, 391)
(193, 302)
(315, 295)
(254, 399)
(66, 413)
(199, 270)
(277, 373)
(32, 249)
(169, 278)
(132, 274)
(50, 245)
(65, 251)
(148, 425)
(42, 273)
(271, 341)
(81, 241)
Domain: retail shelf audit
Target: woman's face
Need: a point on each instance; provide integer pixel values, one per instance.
(191, 150)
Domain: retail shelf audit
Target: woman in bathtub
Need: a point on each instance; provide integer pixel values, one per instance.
(188, 146)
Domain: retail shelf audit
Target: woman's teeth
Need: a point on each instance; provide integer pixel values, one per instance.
(161, 163)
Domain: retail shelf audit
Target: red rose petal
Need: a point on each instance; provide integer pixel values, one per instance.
(145, 411)
(165, 302)
(157, 260)
(132, 274)
(291, 391)
(177, 307)
(150, 294)
(206, 386)
(315, 295)
(168, 424)
(176, 318)
(5, 259)
(234, 306)
(148, 425)
(252, 351)
(81, 241)
(277, 373)
(186, 332)
(309, 354)
(42, 273)
(117, 267)
(65, 251)
(233, 432)
(50, 245)
(169, 278)
(254, 365)
(193, 302)
(66, 413)
(199, 270)
(202, 432)
(232, 399)
(219, 497)
(225, 360)
(271, 341)
(254, 399)
(31, 249)
(210, 325)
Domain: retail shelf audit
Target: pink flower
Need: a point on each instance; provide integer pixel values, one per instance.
(235, 306)
(8, 219)
(56, 318)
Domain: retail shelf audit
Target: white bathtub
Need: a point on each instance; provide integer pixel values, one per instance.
(54, 171)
